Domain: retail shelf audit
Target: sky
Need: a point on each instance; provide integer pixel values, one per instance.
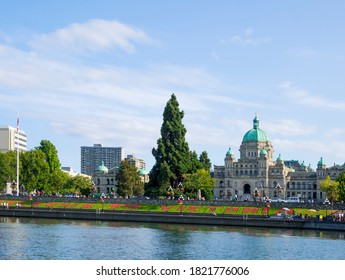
(81, 72)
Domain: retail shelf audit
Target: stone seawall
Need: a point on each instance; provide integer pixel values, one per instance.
(220, 220)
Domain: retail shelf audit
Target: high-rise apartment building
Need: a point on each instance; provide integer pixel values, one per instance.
(93, 157)
(138, 163)
(10, 137)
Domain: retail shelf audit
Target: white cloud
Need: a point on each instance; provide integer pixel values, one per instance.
(290, 127)
(93, 36)
(247, 39)
(302, 96)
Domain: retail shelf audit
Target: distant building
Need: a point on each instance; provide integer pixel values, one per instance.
(138, 163)
(92, 157)
(105, 179)
(257, 174)
(10, 137)
(72, 173)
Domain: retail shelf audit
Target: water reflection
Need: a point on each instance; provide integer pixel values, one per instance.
(25, 238)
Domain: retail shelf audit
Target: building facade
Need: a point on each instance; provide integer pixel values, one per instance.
(10, 137)
(104, 180)
(92, 157)
(257, 174)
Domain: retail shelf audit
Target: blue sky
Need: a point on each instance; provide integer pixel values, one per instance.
(84, 72)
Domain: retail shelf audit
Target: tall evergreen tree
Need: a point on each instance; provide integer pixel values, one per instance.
(173, 158)
(205, 161)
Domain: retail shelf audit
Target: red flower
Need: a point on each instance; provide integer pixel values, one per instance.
(87, 206)
(167, 208)
(211, 209)
(231, 209)
(115, 205)
(250, 210)
(194, 209)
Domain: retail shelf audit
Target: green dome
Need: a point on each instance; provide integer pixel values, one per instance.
(142, 172)
(321, 162)
(255, 134)
(263, 152)
(229, 152)
(303, 164)
(280, 158)
(102, 168)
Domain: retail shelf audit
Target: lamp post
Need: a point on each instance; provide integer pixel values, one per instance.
(255, 193)
(278, 187)
(102, 201)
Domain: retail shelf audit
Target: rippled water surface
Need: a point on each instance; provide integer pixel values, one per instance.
(51, 239)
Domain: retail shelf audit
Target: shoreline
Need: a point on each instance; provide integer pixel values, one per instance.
(175, 218)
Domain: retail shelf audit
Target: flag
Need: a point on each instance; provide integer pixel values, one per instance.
(18, 124)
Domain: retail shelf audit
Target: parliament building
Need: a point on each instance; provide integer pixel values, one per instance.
(257, 174)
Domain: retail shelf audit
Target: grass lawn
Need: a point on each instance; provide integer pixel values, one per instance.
(177, 208)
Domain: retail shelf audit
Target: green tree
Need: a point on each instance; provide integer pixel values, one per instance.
(205, 161)
(8, 167)
(51, 155)
(199, 182)
(195, 164)
(341, 187)
(331, 188)
(172, 155)
(35, 170)
(56, 182)
(81, 185)
(128, 180)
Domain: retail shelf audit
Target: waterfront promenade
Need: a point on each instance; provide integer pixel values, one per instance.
(174, 218)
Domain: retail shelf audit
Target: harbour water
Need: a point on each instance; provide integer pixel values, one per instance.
(54, 239)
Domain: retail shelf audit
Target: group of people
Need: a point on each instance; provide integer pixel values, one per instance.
(5, 205)
(338, 217)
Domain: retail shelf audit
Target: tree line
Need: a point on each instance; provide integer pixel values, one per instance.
(40, 172)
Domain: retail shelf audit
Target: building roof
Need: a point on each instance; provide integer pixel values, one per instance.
(280, 158)
(102, 168)
(255, 134)
(142, 172)
(229, 152)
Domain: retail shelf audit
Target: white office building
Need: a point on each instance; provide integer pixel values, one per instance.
(10, 137)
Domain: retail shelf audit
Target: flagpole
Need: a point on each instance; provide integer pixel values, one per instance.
(18, 155)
